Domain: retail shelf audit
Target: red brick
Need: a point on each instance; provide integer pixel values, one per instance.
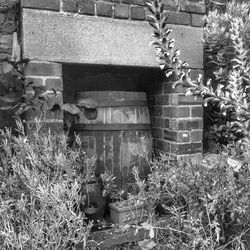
(170, 5)
(86, 7)
(162, 145)
(36, 81)
(134, 2)
(196, 135)
(157, 133)
(43, 69)
(176, 112)
(104, 9)
(178, 18)
(197, 111)
(186, 124)
(191, 6)
(121, 11)
(41, 4)
(55, 83)
(177, 136)
(137, 13)
(197, 20)
(186, 148)
(185, 100)
(70, 5)
(162, 100)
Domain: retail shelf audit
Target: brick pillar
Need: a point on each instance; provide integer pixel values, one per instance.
(177, 120)
(50, 75)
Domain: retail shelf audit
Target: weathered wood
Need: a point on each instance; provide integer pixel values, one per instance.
(114, 136)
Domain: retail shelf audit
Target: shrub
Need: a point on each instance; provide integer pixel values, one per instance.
(40, 193)
(206, 206)
(227, 46)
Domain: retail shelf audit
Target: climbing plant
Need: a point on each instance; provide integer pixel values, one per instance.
(227, 47)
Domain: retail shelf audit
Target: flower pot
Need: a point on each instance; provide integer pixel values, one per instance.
(122, 213)
(93, 203)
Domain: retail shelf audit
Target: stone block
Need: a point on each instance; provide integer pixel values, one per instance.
(122, 11)
(104, 9)
(197, 20)
(119, 42)
(43, 69)
(137, 13)
(69, 5)
(41, 4)
(86, 7)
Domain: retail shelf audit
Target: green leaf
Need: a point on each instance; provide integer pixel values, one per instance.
(71, 108)
(88, 103)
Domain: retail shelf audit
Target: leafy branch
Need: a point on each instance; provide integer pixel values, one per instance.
(24, 96)
(228, 52)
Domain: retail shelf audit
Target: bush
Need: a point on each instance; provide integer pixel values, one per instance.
(40, 192)
(206, 205)
(227, 46)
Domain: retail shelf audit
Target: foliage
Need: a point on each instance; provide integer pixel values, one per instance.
(206, 206)
(24, 96)
(227, 46)
(40, 191)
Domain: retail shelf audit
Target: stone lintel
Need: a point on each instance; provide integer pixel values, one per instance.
(74, 38)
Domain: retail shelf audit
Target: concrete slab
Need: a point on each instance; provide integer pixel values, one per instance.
(60, 37)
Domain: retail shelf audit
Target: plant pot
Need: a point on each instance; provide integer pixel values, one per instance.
(93, 203)
(121, 213)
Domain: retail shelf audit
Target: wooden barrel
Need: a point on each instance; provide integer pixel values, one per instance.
(116, 133)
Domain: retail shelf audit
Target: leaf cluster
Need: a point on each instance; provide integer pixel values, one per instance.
(205, 205)
(227, 50)
(40, 190)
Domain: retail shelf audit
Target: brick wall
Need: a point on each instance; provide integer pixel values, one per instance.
(50, 75)
(8, 26)
(183, 12)
(176, 120)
